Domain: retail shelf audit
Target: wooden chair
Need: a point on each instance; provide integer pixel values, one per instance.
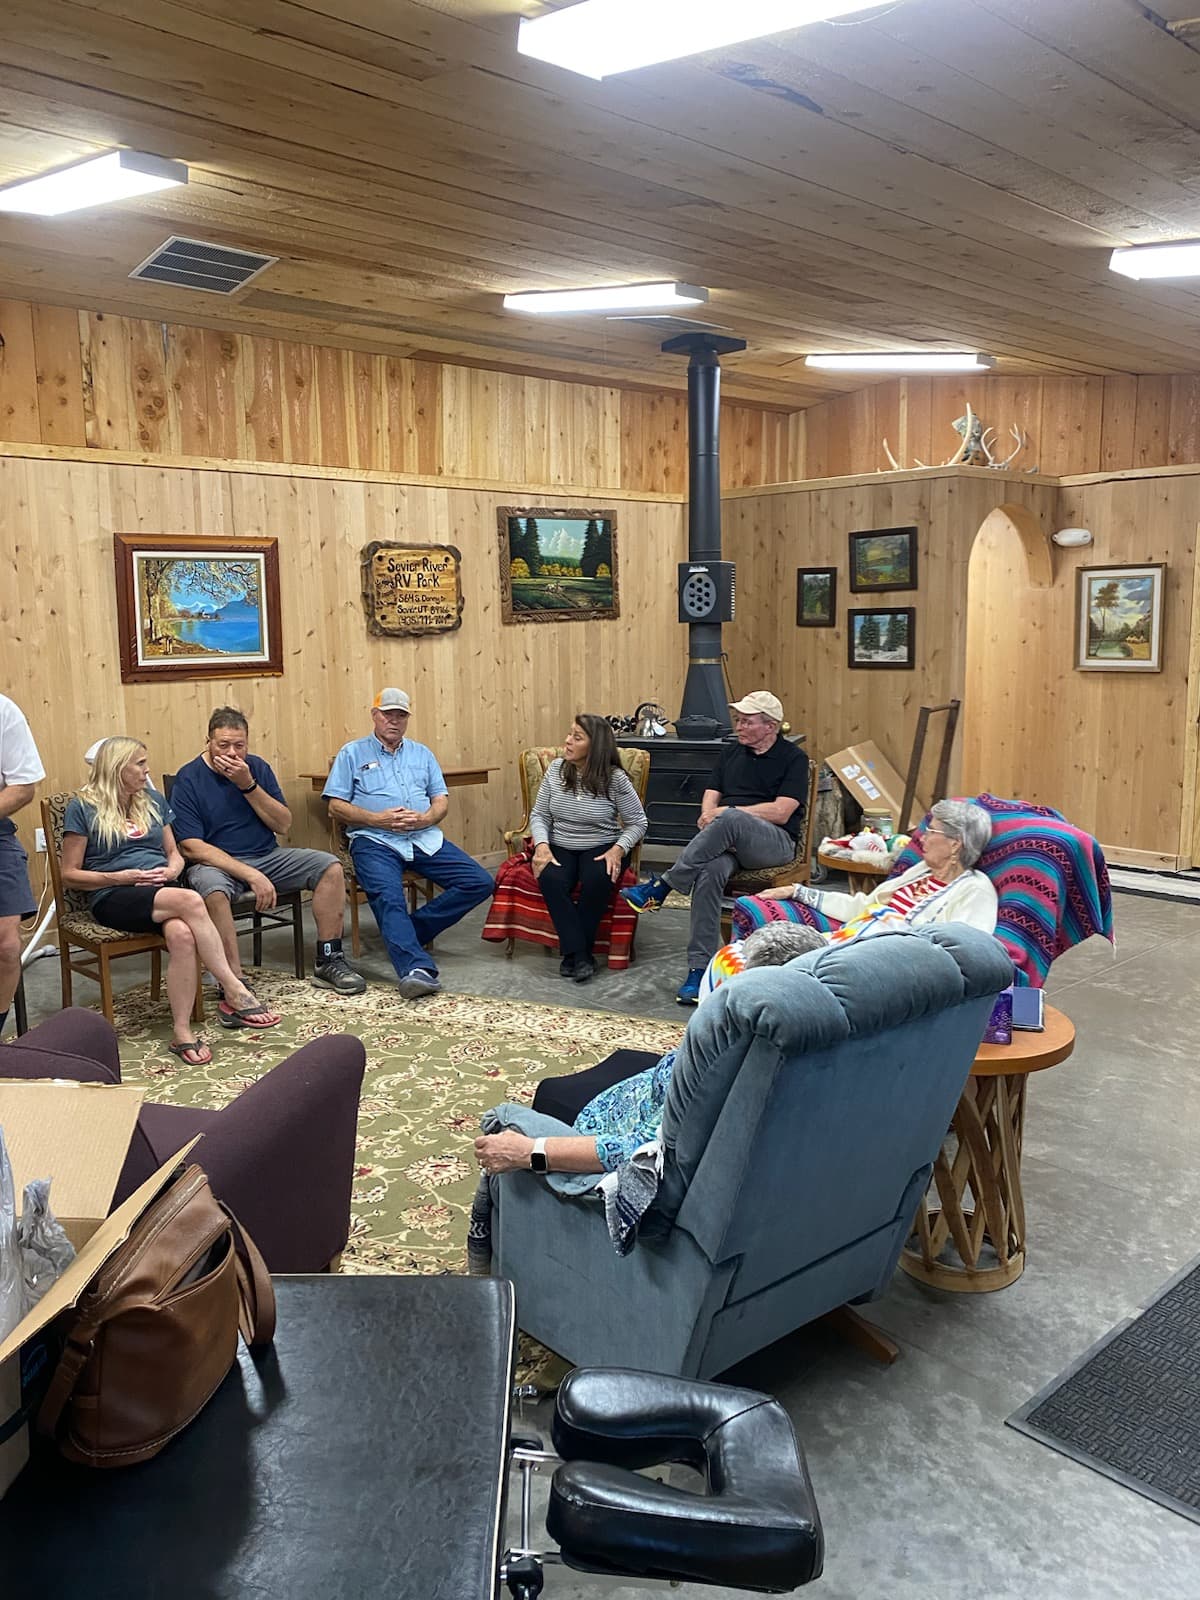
(518, 910)
(287, 912)
(798, 870)
(101, 946)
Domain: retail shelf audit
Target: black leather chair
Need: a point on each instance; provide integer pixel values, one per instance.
(756, 1527)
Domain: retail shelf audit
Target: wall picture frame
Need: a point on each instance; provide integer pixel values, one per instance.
(883, 639)
(191, 607)
(1119, 618)
(883, 559)
(411, 589)
(558, 564)
(816, 597)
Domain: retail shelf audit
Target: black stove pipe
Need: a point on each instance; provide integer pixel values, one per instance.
(704, 689)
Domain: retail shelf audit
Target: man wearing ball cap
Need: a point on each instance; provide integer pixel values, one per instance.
(389, 794)
(751, 816)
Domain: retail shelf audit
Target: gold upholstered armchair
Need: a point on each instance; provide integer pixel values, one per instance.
(518, 910)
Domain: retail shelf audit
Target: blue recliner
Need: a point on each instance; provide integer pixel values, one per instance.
(806, 1108)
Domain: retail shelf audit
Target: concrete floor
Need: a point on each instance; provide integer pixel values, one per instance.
(924, 1493)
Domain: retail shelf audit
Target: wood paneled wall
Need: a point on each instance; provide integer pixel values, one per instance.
(1111, 752)
(1114, 751)
(1074, 425)
(479, 694)
(115, 383)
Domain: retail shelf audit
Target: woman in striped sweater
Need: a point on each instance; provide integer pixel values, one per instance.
(585, 821)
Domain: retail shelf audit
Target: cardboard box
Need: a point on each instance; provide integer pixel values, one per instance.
(869, 777)
(76, 1134)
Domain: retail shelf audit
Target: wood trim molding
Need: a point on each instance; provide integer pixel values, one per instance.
(280, 469)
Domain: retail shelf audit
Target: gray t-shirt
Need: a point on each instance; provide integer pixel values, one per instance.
(142, 850)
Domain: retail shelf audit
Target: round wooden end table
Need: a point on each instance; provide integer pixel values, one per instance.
(983, 1161)
(862, 875)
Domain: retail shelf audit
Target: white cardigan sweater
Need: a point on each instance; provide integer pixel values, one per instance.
(970, 898)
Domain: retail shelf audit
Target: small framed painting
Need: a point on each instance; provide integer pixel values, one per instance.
(191, 607)
(557, 565)
(1119, 618)
(883, 559)
(816, 597)
(882, 639)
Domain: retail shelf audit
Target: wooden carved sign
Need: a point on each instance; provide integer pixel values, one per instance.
(411, 588)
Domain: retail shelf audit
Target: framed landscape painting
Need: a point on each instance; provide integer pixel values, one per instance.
(882, 559)
(190, 607)
(1119, 618)
(816, 597)
(557, 565)
(885, 639)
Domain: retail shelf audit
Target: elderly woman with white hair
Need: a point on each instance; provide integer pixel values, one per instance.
(944, 887)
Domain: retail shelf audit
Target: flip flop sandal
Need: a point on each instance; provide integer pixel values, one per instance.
(246, 1017)
(186, 1047)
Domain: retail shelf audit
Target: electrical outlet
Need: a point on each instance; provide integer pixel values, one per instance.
(39, 840)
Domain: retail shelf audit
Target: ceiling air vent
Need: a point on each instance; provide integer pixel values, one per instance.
(194, 264)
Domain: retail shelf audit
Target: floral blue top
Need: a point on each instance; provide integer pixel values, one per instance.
(627, 1115)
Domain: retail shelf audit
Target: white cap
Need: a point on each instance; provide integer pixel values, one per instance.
(760, 701)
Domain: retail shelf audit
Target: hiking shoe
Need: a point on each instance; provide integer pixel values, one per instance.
(566, 967)
(647, 896)
(420, 981)
(337, 974)
(585, 968)
(688, 993)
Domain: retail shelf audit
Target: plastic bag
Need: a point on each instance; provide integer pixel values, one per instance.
(12, 1289)
(46, 1252)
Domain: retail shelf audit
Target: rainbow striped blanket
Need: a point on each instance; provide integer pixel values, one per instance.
(1051, 880)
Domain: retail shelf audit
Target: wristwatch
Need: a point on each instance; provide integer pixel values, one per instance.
(537, 1157)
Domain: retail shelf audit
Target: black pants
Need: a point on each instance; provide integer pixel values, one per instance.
(566, 1097)
(576, 922)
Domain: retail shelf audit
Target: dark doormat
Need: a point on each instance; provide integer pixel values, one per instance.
(1130, 1406)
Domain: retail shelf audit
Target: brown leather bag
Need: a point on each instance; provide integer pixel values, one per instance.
(155, 1333)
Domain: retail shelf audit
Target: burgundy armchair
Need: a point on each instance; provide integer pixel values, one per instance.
(281, 1156)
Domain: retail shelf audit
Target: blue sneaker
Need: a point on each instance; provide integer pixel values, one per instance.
(689, 990)
(647, 896)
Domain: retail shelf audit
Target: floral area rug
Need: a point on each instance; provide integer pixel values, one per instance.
(433, 1066)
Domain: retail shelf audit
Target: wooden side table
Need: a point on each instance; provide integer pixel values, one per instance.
(988, 1126)
(862, 875)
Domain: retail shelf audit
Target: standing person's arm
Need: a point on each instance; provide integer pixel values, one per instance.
(20, 765)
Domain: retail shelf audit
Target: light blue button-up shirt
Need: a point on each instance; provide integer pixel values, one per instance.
(369, 775)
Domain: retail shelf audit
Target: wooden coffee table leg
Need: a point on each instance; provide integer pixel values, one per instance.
(988, 1124)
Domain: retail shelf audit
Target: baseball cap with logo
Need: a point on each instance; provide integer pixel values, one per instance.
(762, 702)
(391, 700)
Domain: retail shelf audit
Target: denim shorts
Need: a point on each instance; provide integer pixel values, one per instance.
(16, 897)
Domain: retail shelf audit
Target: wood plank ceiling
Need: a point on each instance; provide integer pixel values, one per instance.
(940, 171)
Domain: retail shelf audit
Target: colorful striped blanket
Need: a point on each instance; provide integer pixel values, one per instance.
(1050, 878)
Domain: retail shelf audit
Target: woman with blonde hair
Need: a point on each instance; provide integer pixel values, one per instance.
(118, 847)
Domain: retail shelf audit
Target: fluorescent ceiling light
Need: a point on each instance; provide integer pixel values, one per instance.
(615, 297)
(1158, 260)
(905, 361)
(115, 176)
(599, 37)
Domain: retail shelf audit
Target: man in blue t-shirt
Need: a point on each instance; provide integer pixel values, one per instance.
(389, 794)
(228, 808)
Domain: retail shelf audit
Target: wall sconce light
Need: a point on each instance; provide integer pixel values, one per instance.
(1069, 537)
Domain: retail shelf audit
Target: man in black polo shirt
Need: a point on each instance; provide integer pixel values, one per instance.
(751, 816)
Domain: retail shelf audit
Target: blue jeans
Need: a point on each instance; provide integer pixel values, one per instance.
(380, 871)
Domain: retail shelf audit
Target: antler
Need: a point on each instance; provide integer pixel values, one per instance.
(964, 447)
(896, 467)
(1016, 451)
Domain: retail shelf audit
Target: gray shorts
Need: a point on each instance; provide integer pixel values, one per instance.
(16, 897)
(287, 869)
